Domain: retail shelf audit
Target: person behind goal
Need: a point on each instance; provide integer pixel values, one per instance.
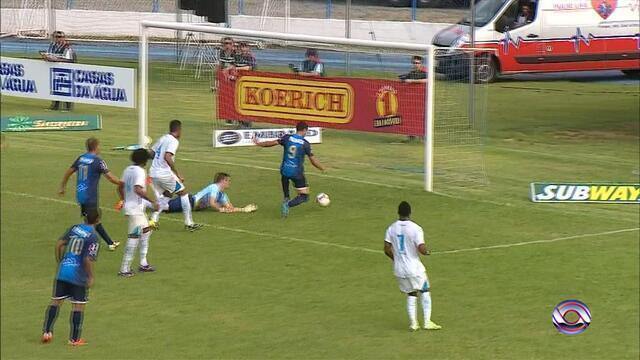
(166, 180)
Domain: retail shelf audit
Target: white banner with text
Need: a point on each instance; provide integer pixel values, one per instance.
(77, 83)
(244, 137)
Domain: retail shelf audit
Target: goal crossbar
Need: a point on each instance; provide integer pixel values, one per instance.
(426, 49)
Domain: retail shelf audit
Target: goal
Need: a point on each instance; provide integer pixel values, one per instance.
(398, 125)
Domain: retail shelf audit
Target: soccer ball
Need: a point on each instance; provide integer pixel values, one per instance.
(323, 199)
(147, 142)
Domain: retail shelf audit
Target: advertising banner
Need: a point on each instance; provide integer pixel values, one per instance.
(69, 122)
(77, 83)
(373, 105)
(585, 192)
(227, 138)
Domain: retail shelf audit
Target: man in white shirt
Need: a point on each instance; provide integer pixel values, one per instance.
(403, 243)
(133, 192)
(167, 181)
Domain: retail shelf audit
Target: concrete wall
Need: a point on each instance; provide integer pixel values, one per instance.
(96, 24)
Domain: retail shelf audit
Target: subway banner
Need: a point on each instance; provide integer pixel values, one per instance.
(585, 192)
(372, 105)
(89, 84)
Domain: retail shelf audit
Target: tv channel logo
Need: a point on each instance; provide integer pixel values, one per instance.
(571, 317)
(61, 82)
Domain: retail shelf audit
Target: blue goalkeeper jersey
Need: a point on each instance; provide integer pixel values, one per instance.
(82, 243)
(295, 149)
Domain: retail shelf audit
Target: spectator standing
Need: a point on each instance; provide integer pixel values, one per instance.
(60, 50)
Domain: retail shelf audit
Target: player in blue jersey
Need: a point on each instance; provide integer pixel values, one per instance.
(213, 196)
(292, 167)
(76, 252)
(90, 167)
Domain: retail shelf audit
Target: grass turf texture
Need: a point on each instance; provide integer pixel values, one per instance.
(256, 286)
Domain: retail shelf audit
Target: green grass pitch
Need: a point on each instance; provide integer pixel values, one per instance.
(317, 284)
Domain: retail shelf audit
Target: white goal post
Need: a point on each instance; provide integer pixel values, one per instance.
(427, 50)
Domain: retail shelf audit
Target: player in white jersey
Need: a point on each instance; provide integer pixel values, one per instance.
(403, 243)
(166, 180)
(133, 192)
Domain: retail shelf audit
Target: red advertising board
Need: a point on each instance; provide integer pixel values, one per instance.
(359, 104)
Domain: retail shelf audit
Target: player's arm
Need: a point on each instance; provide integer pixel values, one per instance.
(88, 268)
(388, 250)
(60, 245)
(312, 158)
(65, 178)
(316, 163)
(112, 178)
(142, 192)
(168, 157)
(268, 143)
(422, 248)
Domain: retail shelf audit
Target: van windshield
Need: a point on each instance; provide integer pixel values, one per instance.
(485, 11)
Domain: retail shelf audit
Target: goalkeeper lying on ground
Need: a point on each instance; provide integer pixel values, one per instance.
(211, 197)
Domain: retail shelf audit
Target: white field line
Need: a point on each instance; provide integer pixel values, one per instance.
(224, 228)
(311, 174)
(537, 241)
(356, 248)
(250, 166)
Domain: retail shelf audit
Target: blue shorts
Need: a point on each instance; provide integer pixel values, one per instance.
(64, 290)
(175, 205)
(299, 181)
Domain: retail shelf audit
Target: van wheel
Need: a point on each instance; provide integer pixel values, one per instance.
(634, 74)
(486, 69)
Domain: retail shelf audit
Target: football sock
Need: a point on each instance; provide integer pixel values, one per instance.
(412, 307)
(76, 325)
(426, 306)
(186, 209)
(50, 318)
(132, 243)
(103, 233)
(285, 188)
(155, 216)
(144, 248)
(301, 198)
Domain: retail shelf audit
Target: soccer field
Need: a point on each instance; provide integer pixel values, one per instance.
(317, 285)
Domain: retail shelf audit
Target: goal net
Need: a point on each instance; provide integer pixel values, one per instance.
(25, 18)
(390, 116)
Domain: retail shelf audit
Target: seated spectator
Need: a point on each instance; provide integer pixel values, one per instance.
(245, 59)
(311, 66)
(418, 74)
(524, 17)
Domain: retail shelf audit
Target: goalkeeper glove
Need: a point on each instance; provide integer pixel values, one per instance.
(118, 206)
(250, 208)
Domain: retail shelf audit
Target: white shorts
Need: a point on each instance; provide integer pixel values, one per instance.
(137, 223)
(413, 283)
(169, 183)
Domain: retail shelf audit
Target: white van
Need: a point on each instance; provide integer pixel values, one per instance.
(547, 36)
